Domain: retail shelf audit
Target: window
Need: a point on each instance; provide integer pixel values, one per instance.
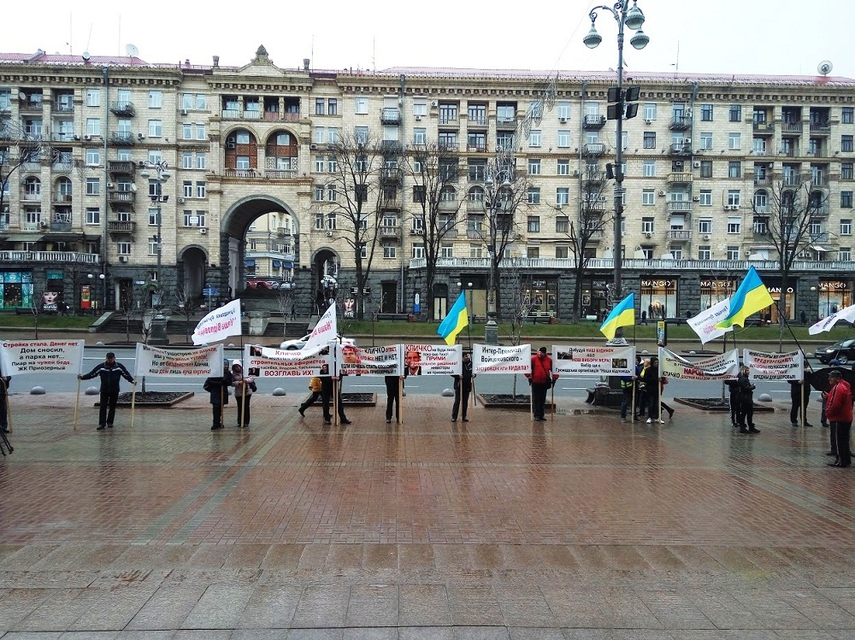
(200, 132)
(648, 168)
(447, 250)
(418, 251)
(93, 97)
(847, 171)
(155, 128)
(187, 131)
(647, 225)
(320, 192)
(846, 143)
(704, 252)
(648, 197)
(562, 224)
(705, 198)
(533, 224)
(389, 251)
(735, 113)
(532, 252)
(93, 215)
(649, 140)
(845, 199)
(534, 138)
(187, 160)
(187, 186)
(706, 140)
(320, 164)
(155, 99)
(242, 163)
(563, 167)
(93, 186)
(563, 139)
(360, 106)
(706, 169)
(734, 169)
(734, 140)
(419, 193)
(93, 157)
(419, 135)
(846, 226)
(153, 216)
(705, 225)
(533, 195)
(201, 189)
(732, 252)
(534, 166)
(734, 197)
(844, 254)
(319, 221)
(361, 135)
(650, 111)
(734, 224)
(320, 105)
(562, 196)
(332, 107)
(319, 135)
(847, 116)
(93, 126)
(706, 113)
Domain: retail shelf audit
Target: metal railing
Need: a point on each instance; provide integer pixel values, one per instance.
(49, 256)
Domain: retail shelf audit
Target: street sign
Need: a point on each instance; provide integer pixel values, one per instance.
(210, 291)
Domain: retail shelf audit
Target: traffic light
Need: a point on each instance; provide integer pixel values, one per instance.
(623, 102)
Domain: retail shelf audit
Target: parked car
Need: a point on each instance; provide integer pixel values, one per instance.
(299, 343)
(843, 351)
(258, 283)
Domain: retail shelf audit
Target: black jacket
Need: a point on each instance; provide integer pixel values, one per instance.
(465, 375)
(110, 376)
(218, 387)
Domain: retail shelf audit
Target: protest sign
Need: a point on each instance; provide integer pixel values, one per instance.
(433, 359)
(704, 324)
(195, 363)
(219, 324)
(593, 361)
(27, 357)
(495, 359)
(369, 361)
(263, 362)
(724, 366)
(774, 366)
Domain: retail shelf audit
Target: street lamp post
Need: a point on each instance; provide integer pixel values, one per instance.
(632, 18)
(468, 308)
(158, 324)
(92, 278)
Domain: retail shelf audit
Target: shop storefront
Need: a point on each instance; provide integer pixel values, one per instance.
(595, 301)
(540, 296)
(772, 314)
(16, 289)
(834, 295)
(659, 298)
(714, 290)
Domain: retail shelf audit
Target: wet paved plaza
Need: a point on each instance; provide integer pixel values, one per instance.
(499, 528)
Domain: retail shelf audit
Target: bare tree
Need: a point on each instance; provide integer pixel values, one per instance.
(793, 220)
(18, 148)
(355, 199)
(434, 172)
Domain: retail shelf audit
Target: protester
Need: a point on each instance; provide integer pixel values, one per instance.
(4, 403)
(839, 413)
(244, 388)
(745, 402)
(799, 397)
(733, 394)
(640, 392)
(541, 379)
(462, 389)
(627, 387)
(218, 389)
(394, 390)
(662, 405)
(650, 378)
(315, 386)
(110, 372)
(326, 398)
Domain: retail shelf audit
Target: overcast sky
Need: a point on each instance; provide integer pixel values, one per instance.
(787, 37)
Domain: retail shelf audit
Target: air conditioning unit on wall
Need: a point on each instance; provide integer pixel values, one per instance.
(648, 234)
(706, 236)
(123, 259)
(329, 234)
(203, 230)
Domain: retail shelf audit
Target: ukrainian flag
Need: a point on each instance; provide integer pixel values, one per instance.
(454, 322)
(751, 297)
(623, 315)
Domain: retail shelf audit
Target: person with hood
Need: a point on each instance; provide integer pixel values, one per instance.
(745, 402)
(4, 403)
(838, 410)
(541, 379)
(218, 388)
(111, 374)
(462, 388)
(650, 378)
(244, 388)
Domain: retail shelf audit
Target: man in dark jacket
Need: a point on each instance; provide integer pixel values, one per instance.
(745, 402)
(218, 388)
(111, 373)
(4, 406)
(462, 389)
(326, 398)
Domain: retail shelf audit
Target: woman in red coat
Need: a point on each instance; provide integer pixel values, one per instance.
(838, 410)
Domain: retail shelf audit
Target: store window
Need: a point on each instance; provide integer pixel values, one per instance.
(659, 298)
(16, 289)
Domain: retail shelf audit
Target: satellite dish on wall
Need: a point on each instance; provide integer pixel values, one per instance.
(824, 67)
(132, 50)
(86, 56)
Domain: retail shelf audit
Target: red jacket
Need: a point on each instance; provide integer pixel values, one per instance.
(541, 370)
(838, 407)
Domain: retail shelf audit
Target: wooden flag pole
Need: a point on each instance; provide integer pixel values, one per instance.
(335, 402)
(400, 397)
(243, 402)
(8, 406)
(553, 401)
(133, 402)
(76, 403)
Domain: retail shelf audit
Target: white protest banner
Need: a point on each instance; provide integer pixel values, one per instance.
(724, 366)
(263, 362)
(493, 359)
(26, 357)
(594, 361)
(195, 363)
(219, 324)
(433, 359)
(369, 361)
(774, 366)
(704, 323)
(826, 324)
(325, 331)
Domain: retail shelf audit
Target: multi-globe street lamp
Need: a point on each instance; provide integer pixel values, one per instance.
(158, 325)
(633, 18)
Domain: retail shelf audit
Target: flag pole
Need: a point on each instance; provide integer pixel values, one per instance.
(76, 404)
(8, 405)
(133, 402)
(400, 397)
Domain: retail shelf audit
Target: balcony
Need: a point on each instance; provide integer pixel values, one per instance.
(389, 231)
(253, 114)
(60, 226)
(680, 123)
(122, 197)
(123, 138)
(123, 108)
(279, 174)
(477, 121)
(390, 115)
(283, 232)
(594, 235)
(763, 182)
(594, 122)
(593, 177)
(679, 206)
(121, 167)
(680, 177)
(680, 149)
(764, 128)
(820, 128)
(63, 136)
(61, 198)
(477, 147)
(391, 175)
(448, 121)
(388, 147)
(31, 106)
(62, 166)
(678, 235)
(448, 205)
(121, 227)
(28, 196)
(475, 206)
(49, 257)
(506, 123)
(65, 107)
(594, 149)
(791, 127)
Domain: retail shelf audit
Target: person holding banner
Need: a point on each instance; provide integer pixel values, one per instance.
(326, 398)
(315, 386)
(244, 387)
(541, 379)
(218, 388)
(111, 374)
(394, 391)
(650, 379)
(462, 388)
(745, 402)
(839, 413)
(799, 396)
(4, 403)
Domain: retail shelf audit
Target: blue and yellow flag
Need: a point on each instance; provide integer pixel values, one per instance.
(751, 296)
(454, 322)
(623, 315)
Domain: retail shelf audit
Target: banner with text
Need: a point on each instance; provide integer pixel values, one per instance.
(494, 359)
(433, 359)
(195, 363)
(219, 324)
(704, 324)
(724, 366)
(264, 362)
(25, 357)
(369, 361)
(593, 361)
(774, 366)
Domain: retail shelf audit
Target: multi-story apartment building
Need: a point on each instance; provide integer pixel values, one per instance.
(216, 175)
